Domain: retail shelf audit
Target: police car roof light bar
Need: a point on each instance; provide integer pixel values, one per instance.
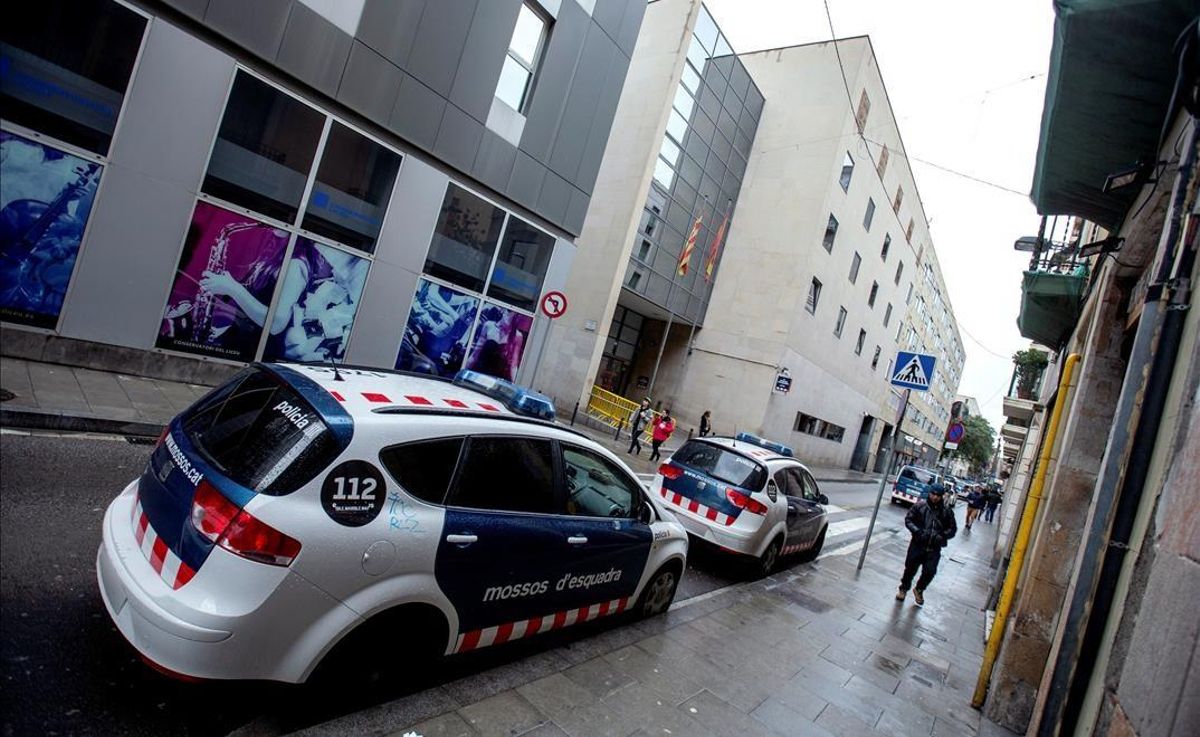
(779, 448)
(516, 398)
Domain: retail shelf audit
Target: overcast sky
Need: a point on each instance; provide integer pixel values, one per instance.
(958, 77)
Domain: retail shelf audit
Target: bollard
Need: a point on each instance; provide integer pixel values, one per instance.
(573, 413)
(690, 430)
(620, 424)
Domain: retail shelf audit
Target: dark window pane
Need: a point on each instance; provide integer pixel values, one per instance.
(464, 240)
(524, 256)
(596, 487)
(66, 65)
(423, 469)
(264, 150)
(350, 196)
(507, 475)
(242, 430)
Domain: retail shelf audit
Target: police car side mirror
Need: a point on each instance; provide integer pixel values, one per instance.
(645, 512)
(822, 498)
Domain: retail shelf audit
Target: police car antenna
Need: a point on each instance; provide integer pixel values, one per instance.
(336, 374)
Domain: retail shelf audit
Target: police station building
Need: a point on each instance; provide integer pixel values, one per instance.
(188, 185)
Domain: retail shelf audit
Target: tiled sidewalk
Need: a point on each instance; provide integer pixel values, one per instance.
(816, 650)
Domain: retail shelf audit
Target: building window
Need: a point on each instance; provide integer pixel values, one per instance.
(908, 299)
(857, 262)
(814, 295)
(830, 233)
(899, 198)
(525, 52)
(663, 173)
(841, 322)
(264, 150)
(874, 294)
(66, 66)
(887, 244)
(908, 231)
(847, 172)
(870, 214)
(465, 239)
(899, 330)
(352, 189)
(883, 161)
(644, 250)
(864, 109)
(875, 358)
(899, 272)
(862, 338)
(521, 265)
(810, 425)
(635, 278)
(887, 315)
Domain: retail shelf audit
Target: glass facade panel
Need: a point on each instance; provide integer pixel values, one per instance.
(663, 174)
(521, 267)
(264, 149)
(677, 127)
(350, 195)
(691, 78)
(66, 66)
(684, 102)
(514, 81)
(706, 29)
(464, 239)
(669, 151)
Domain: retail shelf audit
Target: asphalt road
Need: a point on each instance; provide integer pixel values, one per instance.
(66, 670)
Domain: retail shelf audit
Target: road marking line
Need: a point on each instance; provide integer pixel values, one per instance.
(847, 526)
(833, 508)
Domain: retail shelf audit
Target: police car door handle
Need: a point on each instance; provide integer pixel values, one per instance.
(461, 539)
(577, 539)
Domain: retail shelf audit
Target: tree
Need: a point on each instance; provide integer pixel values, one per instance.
(977, 442)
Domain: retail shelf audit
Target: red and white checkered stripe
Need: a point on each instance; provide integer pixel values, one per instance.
(789, 549)
(475, 639)
(173, 571)
(414, 400)
(696, 508)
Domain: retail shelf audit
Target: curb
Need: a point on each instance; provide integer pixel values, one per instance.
(31, 419)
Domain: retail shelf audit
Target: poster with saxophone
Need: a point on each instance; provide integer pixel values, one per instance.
(46, 196)
(222, 292)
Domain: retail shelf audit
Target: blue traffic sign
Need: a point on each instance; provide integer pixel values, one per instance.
(955, 432)
(913, 371)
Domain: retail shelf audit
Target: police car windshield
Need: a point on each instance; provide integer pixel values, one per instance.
(919, 475)
(260, 433)
(721, 464)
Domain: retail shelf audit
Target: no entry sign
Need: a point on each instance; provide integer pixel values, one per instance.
(554, 305)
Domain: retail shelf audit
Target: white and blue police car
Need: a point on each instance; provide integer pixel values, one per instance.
(298, 509)
(746, 495)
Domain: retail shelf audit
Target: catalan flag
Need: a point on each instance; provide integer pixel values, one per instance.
(689, 246)
(710, 263)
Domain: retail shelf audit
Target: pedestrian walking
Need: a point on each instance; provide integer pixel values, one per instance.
(975, 504)
(991, 499)
(637, 423)
(663, 427)
(706, 423)
(932, 525)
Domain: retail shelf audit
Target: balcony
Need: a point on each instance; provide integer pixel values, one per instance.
(1020, 404)
(1052, 294)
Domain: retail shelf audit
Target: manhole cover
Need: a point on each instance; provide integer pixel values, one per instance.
(6, 395)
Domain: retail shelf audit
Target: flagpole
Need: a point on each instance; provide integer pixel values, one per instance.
(685, 257)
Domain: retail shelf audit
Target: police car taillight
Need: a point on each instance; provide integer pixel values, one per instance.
(518, 399)
(742, 500)
(238, 531)
(670, 472)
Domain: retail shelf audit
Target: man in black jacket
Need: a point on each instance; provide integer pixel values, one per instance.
(932, 524)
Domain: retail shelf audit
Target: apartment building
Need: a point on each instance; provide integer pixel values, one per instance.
(772, 246)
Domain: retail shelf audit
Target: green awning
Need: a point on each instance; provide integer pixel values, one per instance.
(1112, 69)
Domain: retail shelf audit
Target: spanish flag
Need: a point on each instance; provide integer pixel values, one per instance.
(710, 263)
(689, 247)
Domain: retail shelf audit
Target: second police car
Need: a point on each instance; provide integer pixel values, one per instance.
(746, 495)
(297, 514)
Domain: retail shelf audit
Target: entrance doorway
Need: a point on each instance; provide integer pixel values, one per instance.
(620, 349)
(862, 448)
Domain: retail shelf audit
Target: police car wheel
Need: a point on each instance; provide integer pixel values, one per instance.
(770, 557)
(659, 593)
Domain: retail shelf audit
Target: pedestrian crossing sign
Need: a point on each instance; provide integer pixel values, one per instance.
(913, 371)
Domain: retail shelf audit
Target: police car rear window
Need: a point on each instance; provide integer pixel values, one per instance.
(262, 434)
(721, 464)
(918, 475)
